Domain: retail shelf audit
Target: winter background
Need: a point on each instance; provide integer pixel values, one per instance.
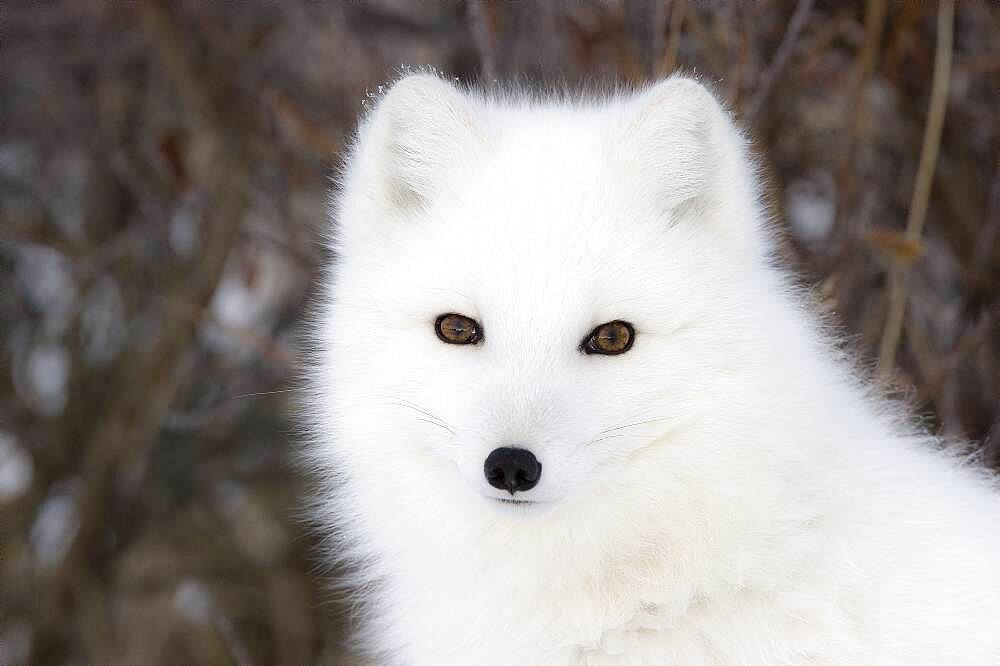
(163, 185)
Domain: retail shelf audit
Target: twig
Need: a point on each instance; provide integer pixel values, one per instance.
(898, 273)
(972, 337)
(661, 23)
(669, 61)
(484, 38)
(735, 46)
(823, 37)
(988, 235)
(781, 57)
(874, 23)
(991, 446)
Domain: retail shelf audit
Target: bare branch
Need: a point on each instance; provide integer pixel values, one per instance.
(922, 188)
(129, 419)
(781, 58)
(484, 38)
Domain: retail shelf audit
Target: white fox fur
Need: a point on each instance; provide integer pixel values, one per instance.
(728, 491)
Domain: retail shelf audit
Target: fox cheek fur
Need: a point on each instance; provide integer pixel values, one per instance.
(718, 486)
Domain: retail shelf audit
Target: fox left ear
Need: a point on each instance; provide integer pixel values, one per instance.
(423, 130)
(685, 148)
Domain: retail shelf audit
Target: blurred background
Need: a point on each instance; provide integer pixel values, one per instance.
(164, 173)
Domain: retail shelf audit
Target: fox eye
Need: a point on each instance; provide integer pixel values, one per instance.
(614, 337)
(456, 329)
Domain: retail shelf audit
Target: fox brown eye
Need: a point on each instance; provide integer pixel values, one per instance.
(456, 329)
(614, 337)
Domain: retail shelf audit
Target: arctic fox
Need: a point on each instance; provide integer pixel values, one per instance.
(567, 409)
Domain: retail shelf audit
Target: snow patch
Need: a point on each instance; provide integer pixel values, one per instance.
(16, 468)
(56, 526)
(810, 206)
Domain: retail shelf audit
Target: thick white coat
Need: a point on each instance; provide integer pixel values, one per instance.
(726, 492)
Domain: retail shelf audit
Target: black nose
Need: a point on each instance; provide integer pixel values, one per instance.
(512, 469)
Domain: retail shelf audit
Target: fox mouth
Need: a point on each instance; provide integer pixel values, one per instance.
(515, 502)
(516, 507)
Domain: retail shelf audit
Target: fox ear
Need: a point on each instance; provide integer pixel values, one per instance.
(420, 132)
(690, 157)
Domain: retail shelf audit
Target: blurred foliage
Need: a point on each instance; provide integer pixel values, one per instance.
(163, 182)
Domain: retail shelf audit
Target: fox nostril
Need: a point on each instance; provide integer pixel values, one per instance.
(512, 469)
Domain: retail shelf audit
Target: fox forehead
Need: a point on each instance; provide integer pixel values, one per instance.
(533, 247)
(540, 208)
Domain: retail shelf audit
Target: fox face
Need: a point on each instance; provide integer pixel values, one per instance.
(528, 295)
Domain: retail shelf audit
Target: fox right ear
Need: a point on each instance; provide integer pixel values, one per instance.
(422, 131)
(685, 147)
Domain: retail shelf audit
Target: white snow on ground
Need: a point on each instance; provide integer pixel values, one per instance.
(55, 526)
(46, 279)
(102, 320)
(184, 229)
(255, 284)
(193, 601)
(16, 468)
(46, 374)
(810, 206)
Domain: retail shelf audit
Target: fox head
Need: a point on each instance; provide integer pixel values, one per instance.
(533, 300)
